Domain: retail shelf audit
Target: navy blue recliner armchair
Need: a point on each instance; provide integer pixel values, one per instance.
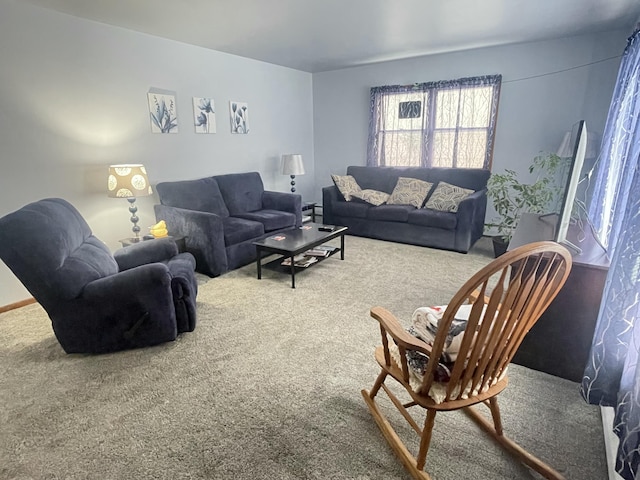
(141, 295)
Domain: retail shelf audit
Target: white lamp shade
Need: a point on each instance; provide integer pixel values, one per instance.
(292, 164)
(127, 181)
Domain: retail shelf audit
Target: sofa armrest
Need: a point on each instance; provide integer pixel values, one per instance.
(152, 280)
(136, 305)
(285, 202)
(150, 251)
(330, 195)
(470, 224)
(203, 233)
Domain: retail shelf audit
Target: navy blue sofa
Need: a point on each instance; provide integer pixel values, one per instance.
(144, 294)
(220, 217)
(406, 224)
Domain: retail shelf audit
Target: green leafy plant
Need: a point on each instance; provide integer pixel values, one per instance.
(511, 198)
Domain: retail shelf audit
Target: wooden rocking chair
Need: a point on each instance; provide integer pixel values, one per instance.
(504, 300)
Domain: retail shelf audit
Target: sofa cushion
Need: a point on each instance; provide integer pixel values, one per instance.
(242, 192)
(346, 184)
(382, 179)
(202, 195)
(373, 197)
(270, 219)
(390, 213)
(385, 178)
(410, 191)
(472, 178)
(447, 197)
(433, 218)
(351, 209)
(237, 230)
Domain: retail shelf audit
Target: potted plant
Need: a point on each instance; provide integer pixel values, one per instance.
(511, 197)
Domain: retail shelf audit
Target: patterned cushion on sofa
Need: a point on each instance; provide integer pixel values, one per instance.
(409, 191)
(346, 184)
(373, 197)
(447, 197)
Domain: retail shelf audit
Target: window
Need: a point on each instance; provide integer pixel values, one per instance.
(435, 124)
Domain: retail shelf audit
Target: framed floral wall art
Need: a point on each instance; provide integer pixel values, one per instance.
(239, 114)
(162, 111)
(204, 115)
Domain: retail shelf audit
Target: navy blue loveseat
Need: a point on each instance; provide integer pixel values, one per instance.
(220, 217)
(456, 231)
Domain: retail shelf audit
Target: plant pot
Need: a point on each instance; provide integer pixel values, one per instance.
(500, 245)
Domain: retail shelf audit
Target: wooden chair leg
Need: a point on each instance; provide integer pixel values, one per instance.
(379, 381)
(495, 414)
(393, 440)
(425, 439)
(525, 457)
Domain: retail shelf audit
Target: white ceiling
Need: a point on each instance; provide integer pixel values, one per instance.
(320, 35)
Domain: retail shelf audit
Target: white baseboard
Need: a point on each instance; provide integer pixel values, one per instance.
(610, 441)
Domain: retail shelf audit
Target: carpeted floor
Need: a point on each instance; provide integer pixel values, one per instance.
(268, 387)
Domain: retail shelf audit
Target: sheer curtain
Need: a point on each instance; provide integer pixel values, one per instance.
(448, 123)
(612, 374)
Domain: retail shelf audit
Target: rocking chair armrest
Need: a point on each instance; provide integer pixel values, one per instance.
(392, 326)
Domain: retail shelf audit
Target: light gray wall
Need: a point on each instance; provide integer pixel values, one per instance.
(536, 106)
(73, 99)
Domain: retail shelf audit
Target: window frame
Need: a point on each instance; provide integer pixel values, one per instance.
(429, 91)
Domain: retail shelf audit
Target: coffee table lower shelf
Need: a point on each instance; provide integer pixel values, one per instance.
(296, 242)
(276, 265)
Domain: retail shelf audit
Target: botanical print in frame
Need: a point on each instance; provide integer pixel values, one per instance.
(204, 115)
(162, 110)
(239, 114)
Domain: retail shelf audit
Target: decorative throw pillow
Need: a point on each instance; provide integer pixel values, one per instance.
(374, 197)
(447, 197)
(346, 184)
(409, 191)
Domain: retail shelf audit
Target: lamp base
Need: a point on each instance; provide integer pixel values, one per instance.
(133, 209)
(293, 183)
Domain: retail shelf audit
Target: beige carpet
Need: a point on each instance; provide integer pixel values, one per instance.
(268, 387)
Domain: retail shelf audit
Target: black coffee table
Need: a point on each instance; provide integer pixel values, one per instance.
(296, 241)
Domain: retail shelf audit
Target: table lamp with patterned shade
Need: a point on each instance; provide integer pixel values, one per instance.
(292, 165)
(129, 181)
